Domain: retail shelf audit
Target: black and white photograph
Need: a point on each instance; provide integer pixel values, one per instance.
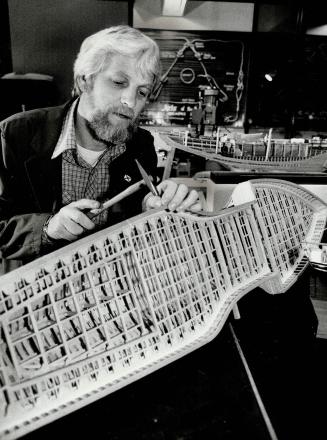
(163, 219)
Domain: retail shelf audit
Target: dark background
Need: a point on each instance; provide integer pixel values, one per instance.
(44, 37)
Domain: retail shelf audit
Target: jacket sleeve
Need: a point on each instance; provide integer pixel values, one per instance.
(20, 231)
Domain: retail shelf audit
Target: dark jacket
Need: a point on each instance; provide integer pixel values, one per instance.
(30, 182)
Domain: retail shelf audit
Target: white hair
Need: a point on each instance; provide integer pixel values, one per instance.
(97, 49)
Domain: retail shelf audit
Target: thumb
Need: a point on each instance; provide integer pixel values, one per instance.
(152, 202)
(86, 204)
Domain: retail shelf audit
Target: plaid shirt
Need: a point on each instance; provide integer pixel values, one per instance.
(79, 179)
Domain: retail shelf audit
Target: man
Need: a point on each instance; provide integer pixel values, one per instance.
(60, 163)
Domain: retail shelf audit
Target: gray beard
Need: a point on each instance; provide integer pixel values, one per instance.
(104, 131)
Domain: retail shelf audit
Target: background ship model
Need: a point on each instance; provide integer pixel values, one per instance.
(317, 255)
(252, 152)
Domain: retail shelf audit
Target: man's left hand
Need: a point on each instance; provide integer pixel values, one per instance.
(175, 197)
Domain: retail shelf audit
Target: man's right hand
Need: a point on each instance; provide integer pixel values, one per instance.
(71, 222)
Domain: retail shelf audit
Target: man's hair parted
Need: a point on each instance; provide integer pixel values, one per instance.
(97, 49)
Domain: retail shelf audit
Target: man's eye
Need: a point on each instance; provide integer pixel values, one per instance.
(118, 83)
(143, 93)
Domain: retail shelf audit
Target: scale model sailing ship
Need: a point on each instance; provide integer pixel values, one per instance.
(315, 161)
(102, 312)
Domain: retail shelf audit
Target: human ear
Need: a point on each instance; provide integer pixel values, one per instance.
(85, 83)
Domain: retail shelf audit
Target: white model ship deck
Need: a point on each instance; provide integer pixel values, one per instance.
(100, 313)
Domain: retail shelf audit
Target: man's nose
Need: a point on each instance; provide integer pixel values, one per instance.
(128, 97)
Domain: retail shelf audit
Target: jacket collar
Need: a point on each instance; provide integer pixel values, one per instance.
(46, 137)
(43, 173)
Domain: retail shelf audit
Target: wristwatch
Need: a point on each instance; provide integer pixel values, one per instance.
(46, 239)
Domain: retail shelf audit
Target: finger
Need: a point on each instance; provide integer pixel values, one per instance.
(72, 227)
(190, 200)
(66, 235)
(179, 196)
(196, 207)
(85, 204)
(167, 189)
(61, 233)
(81, 219)
(152, 202)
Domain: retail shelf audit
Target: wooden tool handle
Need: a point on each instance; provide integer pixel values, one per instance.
(130, 190)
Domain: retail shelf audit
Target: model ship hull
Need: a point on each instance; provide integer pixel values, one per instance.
(317, 163)
(100, 313)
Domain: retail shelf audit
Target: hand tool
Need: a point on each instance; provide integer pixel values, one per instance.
(130, 190)
(147, 179)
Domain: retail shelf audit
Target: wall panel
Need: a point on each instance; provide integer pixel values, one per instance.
(46, 35)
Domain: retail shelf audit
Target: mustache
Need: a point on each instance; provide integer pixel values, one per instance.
(122, 111)
(103, 129)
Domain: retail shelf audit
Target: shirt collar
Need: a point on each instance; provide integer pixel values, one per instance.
(67, 138)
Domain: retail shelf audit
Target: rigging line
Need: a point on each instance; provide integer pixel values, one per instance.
(240, 84)
(210, 77)
(239, 88)
(190, 44)
(262, 408)
(164, 77)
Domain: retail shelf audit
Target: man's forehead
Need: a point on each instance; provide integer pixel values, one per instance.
(130, 67)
